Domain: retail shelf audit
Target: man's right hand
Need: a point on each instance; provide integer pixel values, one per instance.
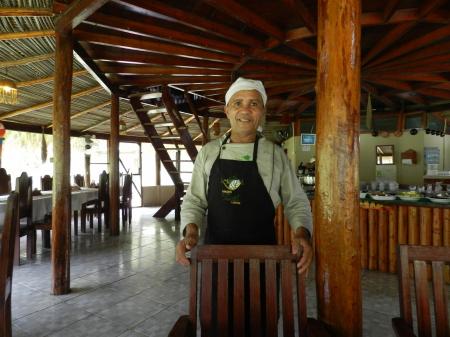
(186, 244)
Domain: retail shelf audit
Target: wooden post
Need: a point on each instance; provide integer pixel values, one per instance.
(114, 167)
(393, 239)
(61, 205)
(373, 239)
(363, 224)
(87, 169)
(206, 128)
(157, 169)
(338, 270)
(382, 240)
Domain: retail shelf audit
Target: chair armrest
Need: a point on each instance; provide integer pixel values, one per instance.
(316, 328)
(183, 328)
(402, 329)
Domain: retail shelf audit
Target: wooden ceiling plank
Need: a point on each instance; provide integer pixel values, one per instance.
(425, 53)
(86, 111)
(191, 20)
(440, 93)
(438, 63)
(149, 45)
(159, 80)
(389, 9)
(400, 85)
(409, 77)
(249, 17)
(422, 41)
(157, 70)
(24, 11)
(429, 6)
(285, 59)
(388, 40)
(47, 79)
(303, 13)
(103, 53)
(275, 68)
(205, 87)
(77, 12)
(47, 104)
(419, 68)
(411, 97)
(27, 35)
(377, 95)
(152, 29)
(303, 48)
(27, 60)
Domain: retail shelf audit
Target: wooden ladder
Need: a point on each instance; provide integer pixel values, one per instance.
(162, 114)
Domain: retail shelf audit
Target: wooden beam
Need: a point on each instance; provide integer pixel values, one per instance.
(128, 69)
(377, 95)
(191, 20)
(247, 16)
(152, 28)
(400, 85)
(27, 60)
(388, 40)
(336, 229)
(423, 65)
(93, 69)
(107, 53)
(429, 6)
(408, 77)
(24, 11)
(151, 45)
(303, 48)
(389, 9)
(48, 79)
(104, 121)
(114, 184)
(194, 112)
(160, 80)
(27, 35)
(299, 9)
(46, 104)
(420, 42)
(77, 12)
(444, 94)
(61, 205)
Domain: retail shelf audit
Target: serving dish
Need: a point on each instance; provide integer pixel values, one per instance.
(408, 198)
(440, 200)
(383, 197)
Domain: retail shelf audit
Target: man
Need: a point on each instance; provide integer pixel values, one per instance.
(240, 179)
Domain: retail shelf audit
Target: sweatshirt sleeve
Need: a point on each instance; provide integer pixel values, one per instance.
(295, 202)
(194, 204)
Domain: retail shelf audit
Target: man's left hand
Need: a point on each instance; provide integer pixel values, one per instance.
(301, 246)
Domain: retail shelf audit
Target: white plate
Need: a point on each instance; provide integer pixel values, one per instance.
(440, 201)
(362, 195)
(408, 198)
(383, 197)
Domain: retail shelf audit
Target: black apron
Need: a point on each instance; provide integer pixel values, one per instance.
(240, 210)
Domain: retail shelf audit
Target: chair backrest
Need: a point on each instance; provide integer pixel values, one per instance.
(103, 186)
(419, 257)
(235, 269)
(8, 241)
(46, 183)
(5, 182)
(24, 187)
(79, 180)
(127, 187)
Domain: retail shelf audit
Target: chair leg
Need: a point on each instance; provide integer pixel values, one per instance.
(129, 215)
(75, 222)
(5, 319)
(91, 220)
(17, 250)
(31, 244)
(83, 221)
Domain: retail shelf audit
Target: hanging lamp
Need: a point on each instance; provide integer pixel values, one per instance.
(8, 92)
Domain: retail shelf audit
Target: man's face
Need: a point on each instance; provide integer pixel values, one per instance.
(245, 110)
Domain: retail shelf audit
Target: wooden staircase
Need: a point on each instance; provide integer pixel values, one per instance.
(164, 125)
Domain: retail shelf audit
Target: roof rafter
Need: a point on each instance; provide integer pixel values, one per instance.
(27, 60)
(78, 11)
(27, 35)
(24, 11)
(48, 79)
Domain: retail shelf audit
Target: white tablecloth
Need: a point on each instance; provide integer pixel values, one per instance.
(42, 204)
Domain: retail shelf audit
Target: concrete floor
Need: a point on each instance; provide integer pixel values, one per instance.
(131, 286)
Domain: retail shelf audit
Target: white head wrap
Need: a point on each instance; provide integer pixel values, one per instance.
(246, 84)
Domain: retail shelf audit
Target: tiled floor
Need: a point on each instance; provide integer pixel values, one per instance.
(130, 286)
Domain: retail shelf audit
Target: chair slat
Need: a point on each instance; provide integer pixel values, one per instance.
(206, 295)
(440, 300)
(255, 297)
(193, 292)
(301, 306)
(286, 296)
(222, 297)
(271, 298)
(404, 286)
(238, 299)
(422, 299)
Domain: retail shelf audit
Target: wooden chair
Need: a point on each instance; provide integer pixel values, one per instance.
(125, 201)
(46, 183)
(98, 206)
(7, 250)
(5, 182)
(79, 180)
(419, 256)
(24, 187)
(242, 260)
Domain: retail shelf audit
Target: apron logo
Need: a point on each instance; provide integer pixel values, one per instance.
(229, 192)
